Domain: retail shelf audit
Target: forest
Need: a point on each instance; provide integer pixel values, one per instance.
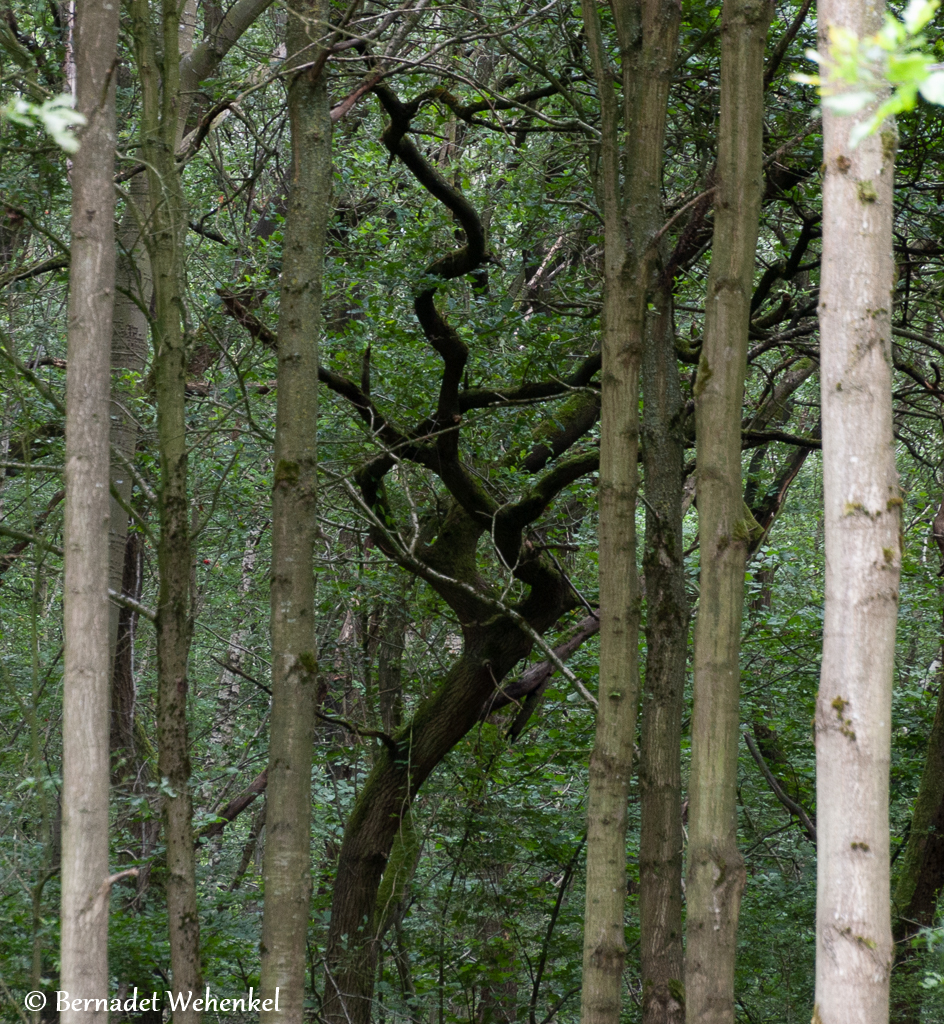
(418, 534)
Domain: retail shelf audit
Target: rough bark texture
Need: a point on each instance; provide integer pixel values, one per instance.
(863, 559)
(164, 241)
(647, 34)
(287, 863)
(715, 866)
(660, 770)
(85, 766)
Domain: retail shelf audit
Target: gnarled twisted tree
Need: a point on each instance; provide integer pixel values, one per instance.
(495, 635)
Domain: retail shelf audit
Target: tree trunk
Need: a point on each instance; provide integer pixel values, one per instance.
(660, 770)
(647, 35)
(129, 342)
(287, 863)
(863, 558)
(715, 867)
(126, 762)
(384, 803)
(85, 763)
(164, 240)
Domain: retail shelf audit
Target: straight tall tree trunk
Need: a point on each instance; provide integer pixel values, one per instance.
(863, 561)
(167, 224)
(660, 770)
(85, 767)
(287, 863)
(129, 343)
(647, 33)
(715, 867)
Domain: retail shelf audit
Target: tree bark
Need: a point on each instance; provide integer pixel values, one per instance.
(660, 769)
(863, 559)
(647, 33)
(287, 862)
(715, 867)
(381, 814)
(167, 224)
(85, 762)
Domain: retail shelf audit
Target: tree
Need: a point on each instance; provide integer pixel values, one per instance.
(166, 210)
(287, 866)
(663, 691)
(86, 883)
(716, 873)
(863, 560)
(646, 37)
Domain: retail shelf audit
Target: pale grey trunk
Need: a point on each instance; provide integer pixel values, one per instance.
(863, 560)
(85, 767)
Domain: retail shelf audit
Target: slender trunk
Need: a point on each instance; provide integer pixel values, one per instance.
(660, 772)
(85, 767)
(863, 557)
(125, 763)
(287, 863)
(129, 341)
(167, 224)
(647, 34)
(716, 873)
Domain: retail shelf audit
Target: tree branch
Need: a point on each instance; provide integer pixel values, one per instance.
(791, 805)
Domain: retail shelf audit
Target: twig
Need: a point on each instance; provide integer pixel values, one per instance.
(385, 738)
(237, 671)
(670, 223)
